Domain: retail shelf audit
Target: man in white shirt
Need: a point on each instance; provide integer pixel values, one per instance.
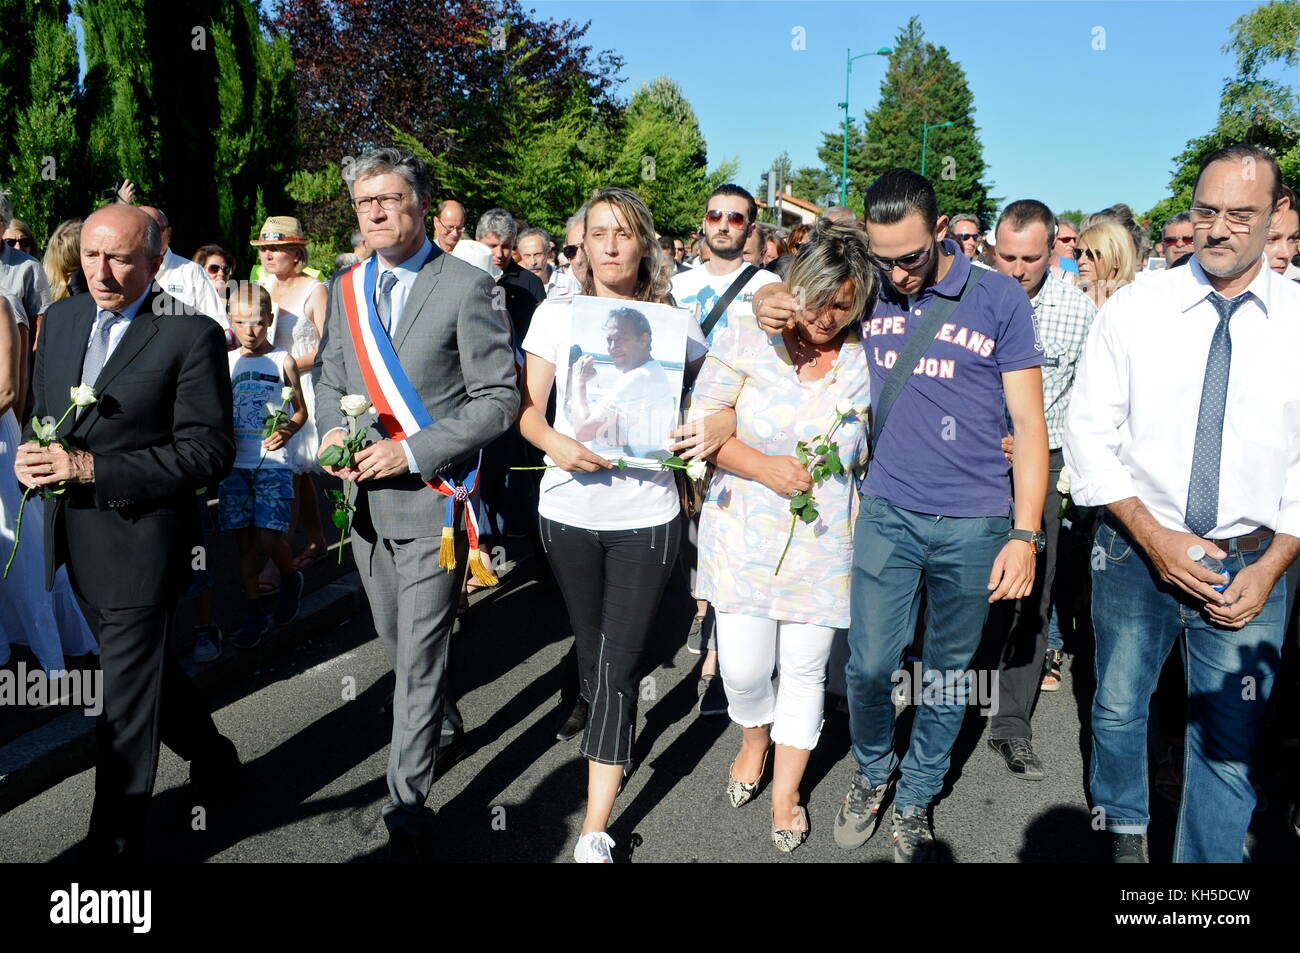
(1183, 425)
(183, 279)
(532, 245)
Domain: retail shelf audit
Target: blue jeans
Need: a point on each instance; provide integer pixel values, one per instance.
(894, 550)
(1137, 619)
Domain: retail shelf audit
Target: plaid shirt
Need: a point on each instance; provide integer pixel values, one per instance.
(1064, 315)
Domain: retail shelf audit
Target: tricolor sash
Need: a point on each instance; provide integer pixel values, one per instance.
(402, 412)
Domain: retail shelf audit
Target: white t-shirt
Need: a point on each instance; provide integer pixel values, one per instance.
(698, 289)
(610, 499)
(185, 281)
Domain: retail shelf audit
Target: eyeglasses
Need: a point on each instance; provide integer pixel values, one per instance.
(714, 216)
(965, 236)
(1238, 219)
(570, 252)
(218, 269)
(910, 262)
(1092, 255)
(388, 202)
(1177, 239)
(449, 228)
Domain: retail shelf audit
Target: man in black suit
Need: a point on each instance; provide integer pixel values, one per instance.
(125, 526)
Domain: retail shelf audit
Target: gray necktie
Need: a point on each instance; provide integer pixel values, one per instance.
(1203, 489)
(97, 349)
(385, 303)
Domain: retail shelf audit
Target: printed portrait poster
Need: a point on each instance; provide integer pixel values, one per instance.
(626, 361)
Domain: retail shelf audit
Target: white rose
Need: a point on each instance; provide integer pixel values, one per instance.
(845, 408)
(1063, 484)
(271, 408)
(696, 469)
(83, 395)
(354, 405)
(286, 393)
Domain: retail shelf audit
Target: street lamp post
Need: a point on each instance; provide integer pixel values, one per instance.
(844, 163)
(925, 135)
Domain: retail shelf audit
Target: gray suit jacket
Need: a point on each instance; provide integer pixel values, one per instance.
(455, 347)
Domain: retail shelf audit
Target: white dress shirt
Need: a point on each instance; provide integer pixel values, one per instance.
(1131, 429)
(118, 330)
(561, 284)
(185, 281)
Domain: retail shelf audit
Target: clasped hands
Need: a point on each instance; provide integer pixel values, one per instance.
(37, 466)
(379, 460)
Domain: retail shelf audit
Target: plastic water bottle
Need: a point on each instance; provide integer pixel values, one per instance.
(1198, 555)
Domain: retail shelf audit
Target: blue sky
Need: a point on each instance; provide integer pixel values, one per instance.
(1059, 120)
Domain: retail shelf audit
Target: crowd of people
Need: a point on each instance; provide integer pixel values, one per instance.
(898, 439)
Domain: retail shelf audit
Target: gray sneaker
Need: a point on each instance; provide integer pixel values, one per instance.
(859, 815)
(913, 838)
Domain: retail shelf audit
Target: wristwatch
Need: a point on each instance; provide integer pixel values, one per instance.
(1038, 539)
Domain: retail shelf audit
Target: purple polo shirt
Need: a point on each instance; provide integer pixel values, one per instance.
(940, 452)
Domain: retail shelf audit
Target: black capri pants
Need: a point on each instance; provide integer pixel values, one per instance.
(612, 581)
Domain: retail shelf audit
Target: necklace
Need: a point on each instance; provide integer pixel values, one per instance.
(804, 352)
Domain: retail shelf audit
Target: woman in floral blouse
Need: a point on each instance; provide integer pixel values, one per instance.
(808, 382)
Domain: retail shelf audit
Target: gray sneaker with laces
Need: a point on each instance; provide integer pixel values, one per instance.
(912, 835)
(859, 815)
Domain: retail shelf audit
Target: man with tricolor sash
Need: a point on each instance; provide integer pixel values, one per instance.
(415, 331)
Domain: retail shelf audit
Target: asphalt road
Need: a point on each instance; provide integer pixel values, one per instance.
(310, 728)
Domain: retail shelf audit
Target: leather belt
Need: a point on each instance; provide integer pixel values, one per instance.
(1246, 543)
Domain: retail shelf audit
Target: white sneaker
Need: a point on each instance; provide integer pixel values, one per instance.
(594, 848)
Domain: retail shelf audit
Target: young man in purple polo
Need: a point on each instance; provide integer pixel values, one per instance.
(938, 505)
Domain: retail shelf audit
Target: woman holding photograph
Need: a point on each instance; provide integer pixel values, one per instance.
(610, 534)
(811, 381)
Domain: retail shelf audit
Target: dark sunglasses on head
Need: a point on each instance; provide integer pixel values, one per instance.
(714, 216)
(965, 236)
(1092, 255)
(214, 269)
(1178, 240)
(907, 262)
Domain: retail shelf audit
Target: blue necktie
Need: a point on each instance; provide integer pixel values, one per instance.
(97, 349)
(1203, 489)
(384, 306)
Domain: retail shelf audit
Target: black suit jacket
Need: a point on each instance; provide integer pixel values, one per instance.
(524, 292)
(161, 429)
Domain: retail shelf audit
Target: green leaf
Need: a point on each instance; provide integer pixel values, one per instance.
(340, 519)
(833, 464)
(674, 463)
(822, 450)
(334, 456)
(801, 452)
(799, 502)
(809, 514)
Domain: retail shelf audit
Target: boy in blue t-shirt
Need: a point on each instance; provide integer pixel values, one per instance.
(937, 504)
(256, 500)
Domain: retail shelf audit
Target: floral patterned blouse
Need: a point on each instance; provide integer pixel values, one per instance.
(743, 524)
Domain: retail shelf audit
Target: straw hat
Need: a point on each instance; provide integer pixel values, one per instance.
(280, 230)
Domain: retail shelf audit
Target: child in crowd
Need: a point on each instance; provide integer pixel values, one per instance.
(257, 497)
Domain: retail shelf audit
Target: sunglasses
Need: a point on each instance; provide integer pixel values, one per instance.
(1092, 255)
(910, 262)
(570, 252)
(735, 219)
(1177, 240)
(218, 269)
(1067, 239)
(965, 236)
(18, 242)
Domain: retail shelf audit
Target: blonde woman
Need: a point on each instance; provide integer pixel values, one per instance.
(802, 383)
(611, 536)
(1107, 260)
(300, 302)
(62, 262)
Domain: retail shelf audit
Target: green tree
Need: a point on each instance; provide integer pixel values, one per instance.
(1253, 107)
(831, 152)
(45, 157)
(782, 168)
(812, 184)
(925, 85)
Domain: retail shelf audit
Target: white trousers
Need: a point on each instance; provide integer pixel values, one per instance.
(748, 650)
